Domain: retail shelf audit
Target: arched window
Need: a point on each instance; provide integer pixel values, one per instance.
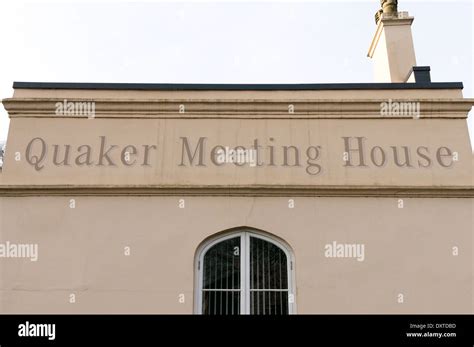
(244, 272)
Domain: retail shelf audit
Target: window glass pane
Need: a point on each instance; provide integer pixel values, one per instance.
(221, 268)
(220, 302)
(268, 265)
(268, 278)
(269, 302)
(221, 278)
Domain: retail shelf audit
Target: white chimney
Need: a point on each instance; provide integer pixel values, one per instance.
(392, 46)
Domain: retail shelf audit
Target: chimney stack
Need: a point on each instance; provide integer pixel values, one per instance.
(392, 46)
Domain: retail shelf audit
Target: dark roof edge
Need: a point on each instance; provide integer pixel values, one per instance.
(190, 86)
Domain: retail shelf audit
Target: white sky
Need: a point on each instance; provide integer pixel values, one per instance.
(220, 42)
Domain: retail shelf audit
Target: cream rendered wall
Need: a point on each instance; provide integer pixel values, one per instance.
(81, 251)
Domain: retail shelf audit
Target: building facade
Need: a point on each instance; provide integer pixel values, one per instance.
(227, 199)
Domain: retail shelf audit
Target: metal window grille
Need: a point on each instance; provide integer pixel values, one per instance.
(245, 274)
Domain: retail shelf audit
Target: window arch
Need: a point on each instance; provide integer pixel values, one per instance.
(244, 272)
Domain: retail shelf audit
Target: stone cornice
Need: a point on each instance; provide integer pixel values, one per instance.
(221, 108)
(252, 191)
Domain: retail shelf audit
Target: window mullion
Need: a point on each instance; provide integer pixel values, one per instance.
(243, 309)
(247, 273)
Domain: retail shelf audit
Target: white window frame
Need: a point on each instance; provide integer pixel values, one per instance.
(245, 235)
